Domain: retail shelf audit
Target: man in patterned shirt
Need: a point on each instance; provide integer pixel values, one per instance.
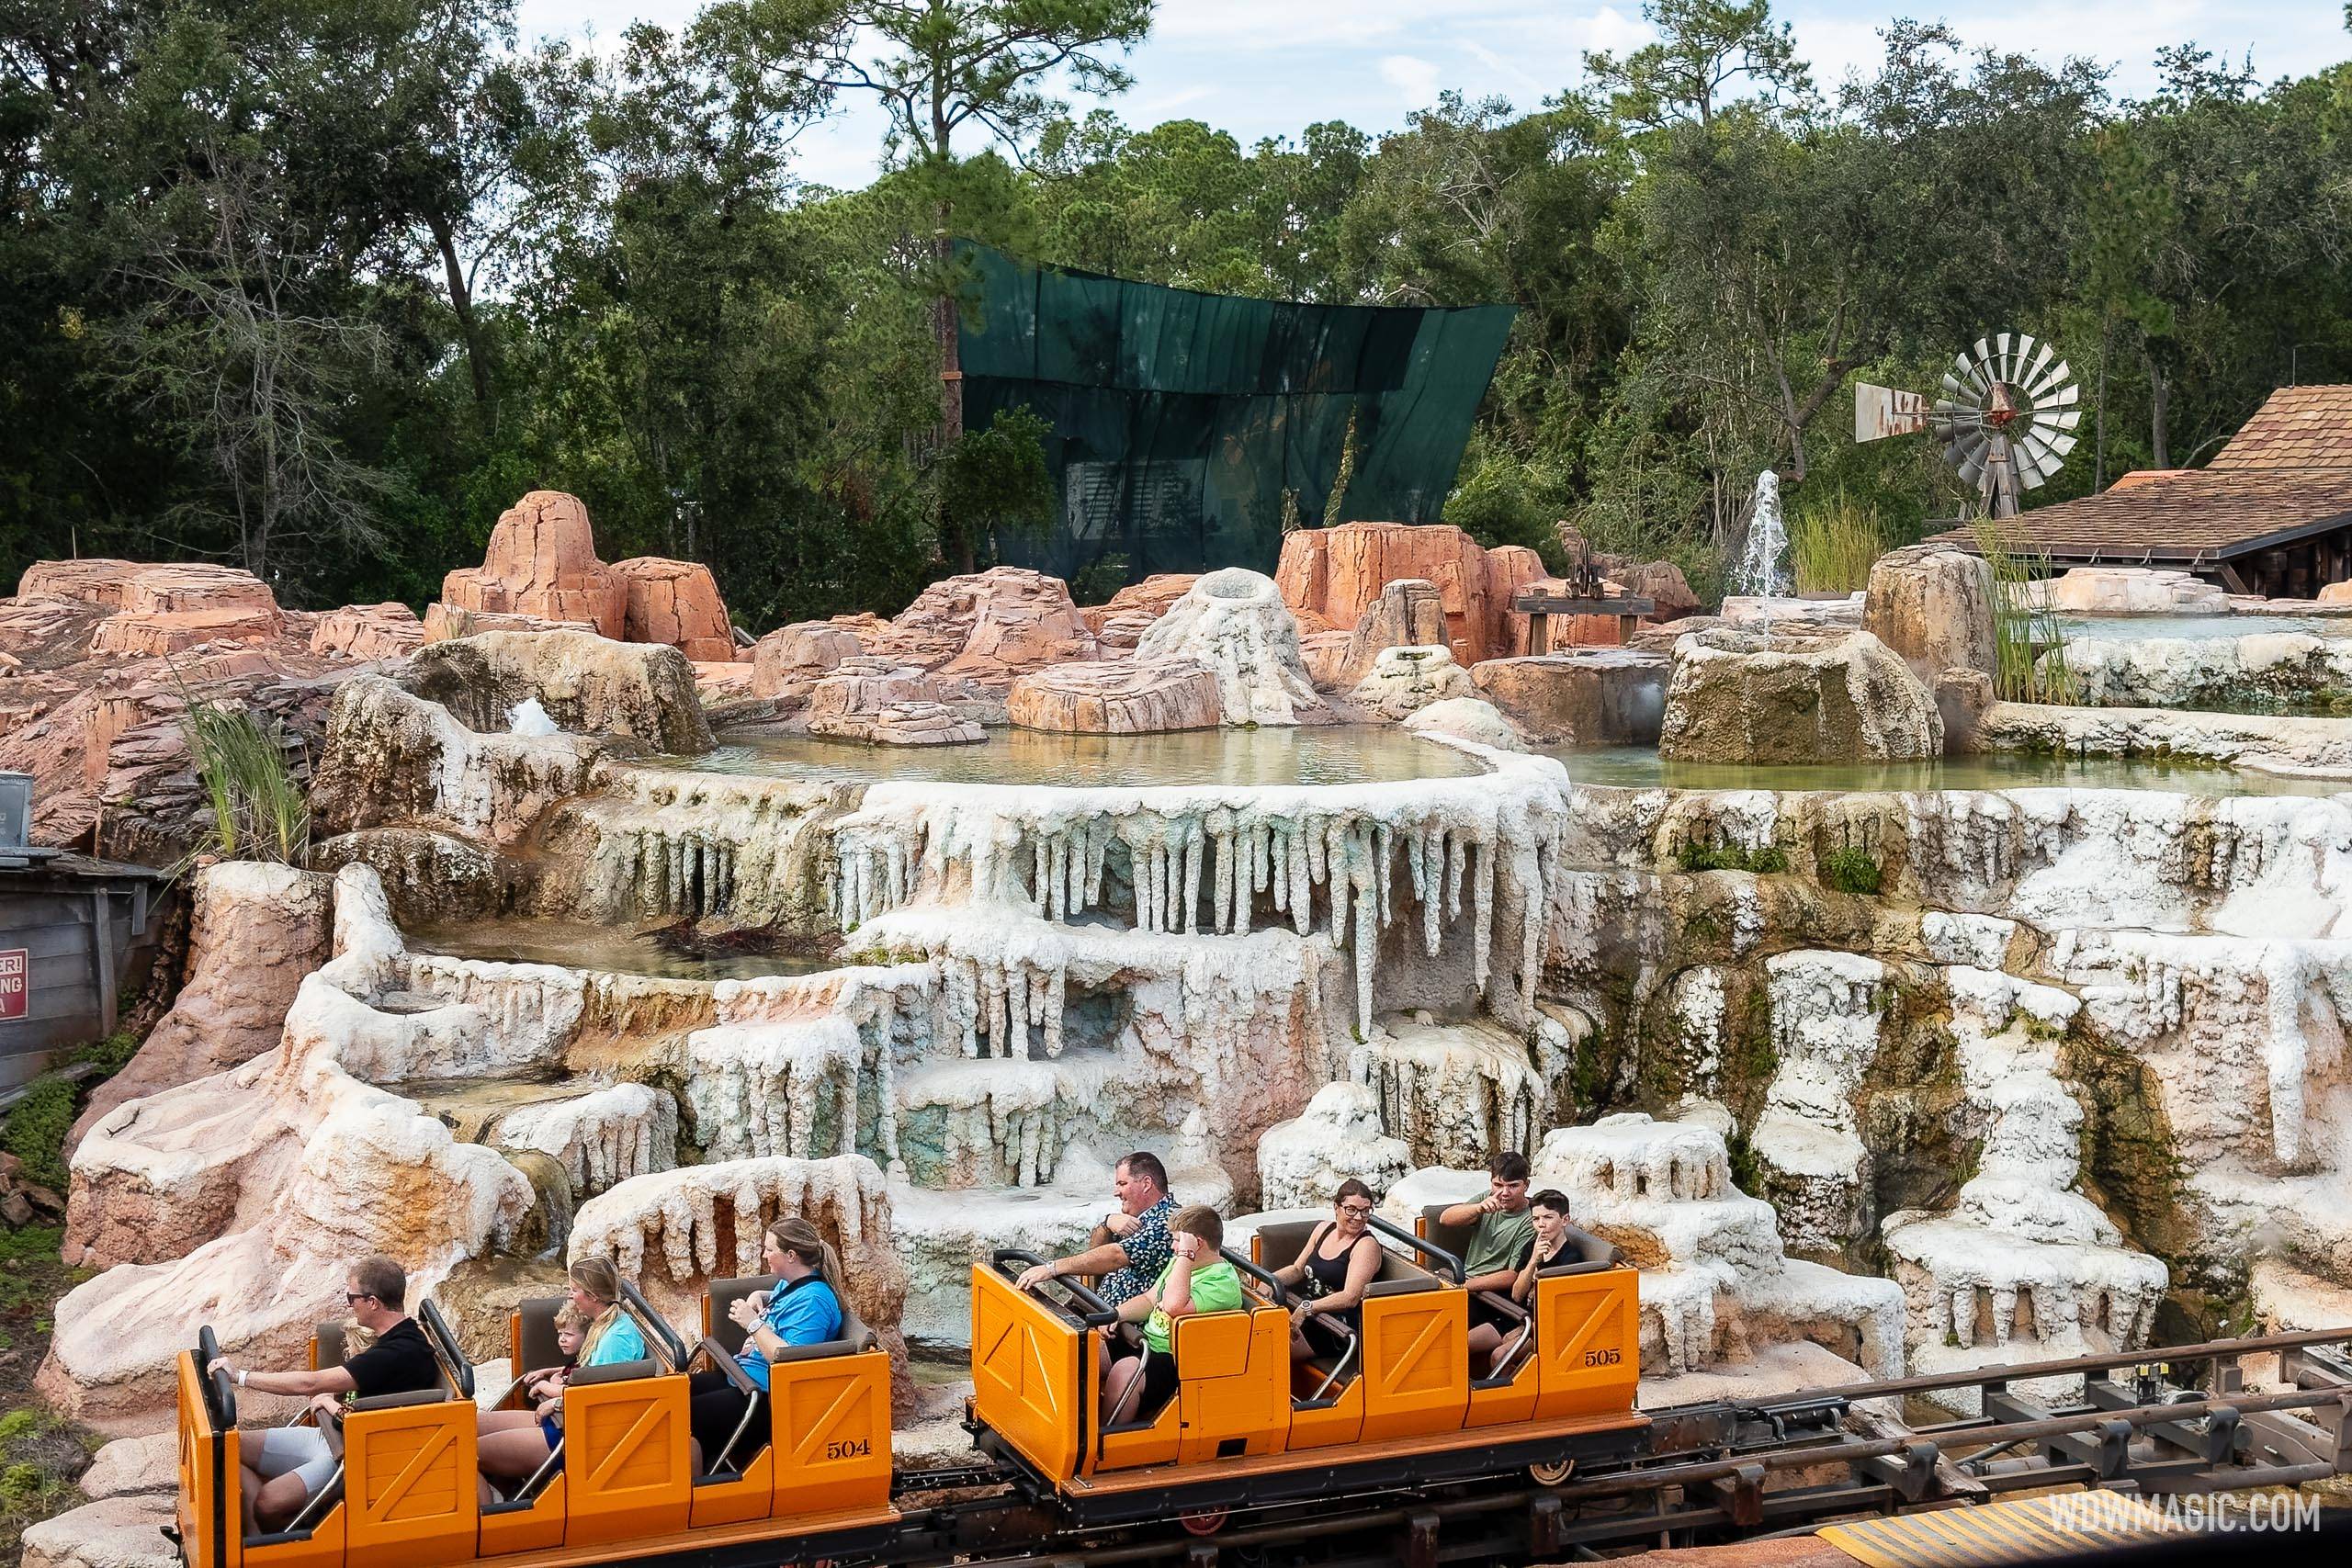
(1131, 1246)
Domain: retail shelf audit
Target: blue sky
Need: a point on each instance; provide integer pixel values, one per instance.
(1271, 67)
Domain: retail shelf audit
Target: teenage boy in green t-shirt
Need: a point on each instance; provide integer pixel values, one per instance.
(1197, 1278)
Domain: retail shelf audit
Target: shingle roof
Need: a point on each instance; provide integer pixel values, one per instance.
(2297, 427)
(2202, 514)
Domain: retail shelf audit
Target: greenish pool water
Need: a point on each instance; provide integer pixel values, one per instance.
(580, 945)
(1641, 768)
(1324, 755)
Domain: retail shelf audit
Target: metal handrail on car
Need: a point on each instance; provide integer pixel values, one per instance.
(1095, 1312)
(1421, 1244)
(642, 1310)
(221, 1393)
(445, 1340)
(1263, 1276)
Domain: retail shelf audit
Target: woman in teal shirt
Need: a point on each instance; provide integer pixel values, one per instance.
(514, 1443)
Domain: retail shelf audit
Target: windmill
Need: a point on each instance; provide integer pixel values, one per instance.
(2007, 416)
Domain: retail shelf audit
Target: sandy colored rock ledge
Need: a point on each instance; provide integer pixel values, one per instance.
(1128, 698)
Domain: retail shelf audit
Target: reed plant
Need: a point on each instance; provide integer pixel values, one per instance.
(2029, 644)
(256, 808)
(1833, 543)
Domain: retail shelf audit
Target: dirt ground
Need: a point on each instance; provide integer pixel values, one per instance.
(40, 1456)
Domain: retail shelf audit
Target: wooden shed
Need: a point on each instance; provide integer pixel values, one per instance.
(2271, 514)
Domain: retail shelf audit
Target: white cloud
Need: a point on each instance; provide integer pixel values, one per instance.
(1414, 79)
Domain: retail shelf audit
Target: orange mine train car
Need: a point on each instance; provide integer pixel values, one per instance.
(1398, 1406)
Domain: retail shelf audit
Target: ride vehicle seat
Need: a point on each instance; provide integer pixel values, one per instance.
(1276, 1245)
(723, 1340)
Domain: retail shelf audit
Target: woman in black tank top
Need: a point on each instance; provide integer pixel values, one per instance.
(1328, 1278)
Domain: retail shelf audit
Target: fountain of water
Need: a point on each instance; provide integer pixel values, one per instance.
(1760, 570)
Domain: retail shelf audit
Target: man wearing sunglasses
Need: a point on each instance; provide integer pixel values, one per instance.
(287, 1465)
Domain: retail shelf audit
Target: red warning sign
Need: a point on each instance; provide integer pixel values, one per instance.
(16, 982)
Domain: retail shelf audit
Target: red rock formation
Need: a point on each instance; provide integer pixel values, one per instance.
(388, 631)
(1134, 608)
(790, 660)
(676, 602)
(97, 581)
(542, 561)
(987, 628)
(152, 635)
(1333, 575)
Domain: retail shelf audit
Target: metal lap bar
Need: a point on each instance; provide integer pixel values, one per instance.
(1339, 1367)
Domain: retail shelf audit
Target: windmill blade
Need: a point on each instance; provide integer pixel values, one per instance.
(2035, 460)
(2047, 425)
(2032, 375)
(1968, 380)
(1984, 352)
(2047, 385)
(2001, 358)
(2061, 444)
(2069, 419)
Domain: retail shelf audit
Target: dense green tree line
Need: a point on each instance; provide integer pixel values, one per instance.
(318, 286)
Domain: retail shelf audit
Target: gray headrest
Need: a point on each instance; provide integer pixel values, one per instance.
(539, 1348)
(395, 1400)
(332, 1345)
(725, 1294)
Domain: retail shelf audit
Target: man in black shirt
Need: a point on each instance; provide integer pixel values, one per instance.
(286, 1465)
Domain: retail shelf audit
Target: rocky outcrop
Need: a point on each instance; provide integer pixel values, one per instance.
(1301, 1162)
(2135, 590)
(542, 561)
(874, 700)
(789, 662)
(1468, 719)
(1135, 697)
(2259, 670)
(388, 631)
(1403, 681)
(588, 685)
(1234, 622)
(258, 928)
(677, 602)
(1119, 624)
(1334, 575)
(1933, 606)
(1602, 696)
(1408, 614)
(987, 628)
(1746, 697)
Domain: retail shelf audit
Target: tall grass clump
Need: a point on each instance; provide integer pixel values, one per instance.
(1833, 543)
(258, 810)
(2030, 645)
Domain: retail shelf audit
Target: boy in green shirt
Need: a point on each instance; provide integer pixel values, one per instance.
(1197, 1278)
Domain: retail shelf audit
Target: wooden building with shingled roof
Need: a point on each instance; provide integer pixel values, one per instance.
(2271, 514)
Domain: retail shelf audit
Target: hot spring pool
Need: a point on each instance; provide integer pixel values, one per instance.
(582, 945)
(1328, 755)
(1639, 767)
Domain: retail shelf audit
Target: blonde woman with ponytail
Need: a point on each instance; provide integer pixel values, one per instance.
(805, 1308)
(514, 1443)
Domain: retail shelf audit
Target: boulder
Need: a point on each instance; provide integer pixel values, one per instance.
(1468, 719)
(1131, 610)
(94, 580)
(2336, 593)
(256, 929)
(789, 661)
(542, 561)
(1326, 654)
(2132, 590)
(1406, 679)
(885, 703)
(1738, 696)
(1234, 622)
(181, 588)
(1301, 1162)
(1933, 605)
(122, 1531)
(987, 627)
(130, 1466)
(1409, 613)
(588, 685)
(388, 631)
(675, 602)
(1334, 575)
(1129, 697)
(1600, 696)
(1663, 584)
(149, 635)
(445, 622)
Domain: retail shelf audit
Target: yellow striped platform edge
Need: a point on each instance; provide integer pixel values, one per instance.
(2015, 1530)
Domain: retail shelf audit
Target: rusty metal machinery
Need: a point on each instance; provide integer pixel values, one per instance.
(2006, 417)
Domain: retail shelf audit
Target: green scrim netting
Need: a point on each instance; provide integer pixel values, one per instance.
(1180, 420)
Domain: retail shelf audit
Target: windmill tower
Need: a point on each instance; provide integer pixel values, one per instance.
(2006, 419)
